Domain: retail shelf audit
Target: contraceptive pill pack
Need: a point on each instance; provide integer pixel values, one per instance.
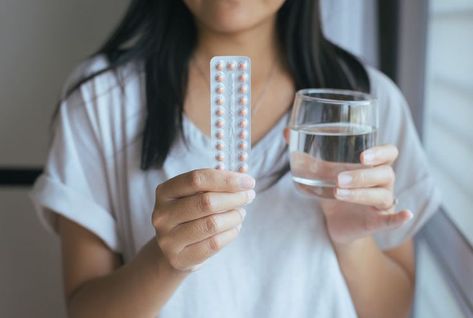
(230, 106)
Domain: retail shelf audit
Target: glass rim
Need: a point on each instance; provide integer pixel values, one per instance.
(368, 99)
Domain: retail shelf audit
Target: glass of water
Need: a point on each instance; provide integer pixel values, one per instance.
(329, 129)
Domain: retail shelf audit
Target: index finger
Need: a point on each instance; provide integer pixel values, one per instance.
(379, 155)
(204, 180)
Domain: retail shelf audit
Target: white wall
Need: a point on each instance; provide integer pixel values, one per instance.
(40, 42)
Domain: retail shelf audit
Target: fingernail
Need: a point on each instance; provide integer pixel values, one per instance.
(344, 179)
(242, 213)
(251, 196)
(246, 182)
(410, 215)
(343, 193)
(368, 156)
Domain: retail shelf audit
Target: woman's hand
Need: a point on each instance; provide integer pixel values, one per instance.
(198, 213)
(365, 201)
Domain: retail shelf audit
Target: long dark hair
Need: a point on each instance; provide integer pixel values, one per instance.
(161, 35)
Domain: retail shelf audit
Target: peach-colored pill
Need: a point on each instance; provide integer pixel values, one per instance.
(243, 111)
(219, 89)
(243, 169)
(243, 156)
(243, 145)
(220, 123)
(231, 66)
(220, 146)
(219, 134)
(243, 134)
(220, 157)
(243, 66)
(220, 111)
(219, 101)
(243, 77)
(219, 78)
(243, 123)
(219, 66)
(243, 89)
(220, 166)
(243, 101)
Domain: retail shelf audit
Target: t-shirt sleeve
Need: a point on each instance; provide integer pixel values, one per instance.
(414, 188)
(75, 181)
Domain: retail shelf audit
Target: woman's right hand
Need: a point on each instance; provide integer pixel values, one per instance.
(199, 212)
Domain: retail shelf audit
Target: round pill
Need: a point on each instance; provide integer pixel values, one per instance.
(220, 166)
(220, 89)
(243, 168)
(219, 101)
(219, 134)
(219, 78)
(220, 111)
(243, 66)
(220, 157)
(219, 66)
(220, 123)
(243, 101)
(243, 89)
(243, 156)
(231, 66)
(220, 146)
(243, 111)
(243, 123)
(243, 77)
(243, 134)
(243, 145)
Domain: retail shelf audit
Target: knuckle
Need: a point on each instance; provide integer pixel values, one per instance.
(211, 225)
(205, 202)
(196, 179)
(174, 261)
(159, 190)
(229, 181)
(215, 244)
(157, 219)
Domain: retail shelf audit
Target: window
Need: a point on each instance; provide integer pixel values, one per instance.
(448, 134)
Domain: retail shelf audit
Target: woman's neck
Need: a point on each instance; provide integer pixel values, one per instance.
(260, 43)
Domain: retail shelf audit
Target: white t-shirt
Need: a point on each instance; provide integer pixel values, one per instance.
(281, 265)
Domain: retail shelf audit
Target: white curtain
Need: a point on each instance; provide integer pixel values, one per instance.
(353, 25)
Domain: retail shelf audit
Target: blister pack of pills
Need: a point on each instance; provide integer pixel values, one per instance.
(230, 98)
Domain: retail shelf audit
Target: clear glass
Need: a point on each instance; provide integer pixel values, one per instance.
(329, 129)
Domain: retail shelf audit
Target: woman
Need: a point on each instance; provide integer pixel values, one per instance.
(142, 219)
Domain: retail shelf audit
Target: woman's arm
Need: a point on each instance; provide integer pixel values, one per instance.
(381, 284)
(96, 285)
(196, 214)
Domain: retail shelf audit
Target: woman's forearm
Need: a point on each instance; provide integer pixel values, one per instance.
(138, 289)
(379, 286)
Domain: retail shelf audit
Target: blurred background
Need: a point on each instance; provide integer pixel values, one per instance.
(425, 46)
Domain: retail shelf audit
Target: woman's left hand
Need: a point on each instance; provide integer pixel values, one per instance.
(365, 201)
